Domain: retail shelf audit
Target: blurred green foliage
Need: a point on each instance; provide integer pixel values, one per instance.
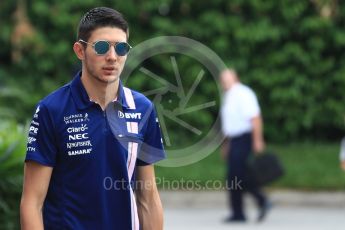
(289, 52)
(12, 149)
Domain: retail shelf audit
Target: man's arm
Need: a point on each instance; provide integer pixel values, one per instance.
(342, 154)
(150, 209)
(258, 139)
(35, 187)
(225, 149)
(342, 165)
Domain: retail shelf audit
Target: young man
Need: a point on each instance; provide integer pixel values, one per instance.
(242, 126)
(90, 140)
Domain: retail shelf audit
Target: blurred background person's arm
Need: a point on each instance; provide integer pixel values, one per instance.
(258, 139)
(225, 148)
(342, 154)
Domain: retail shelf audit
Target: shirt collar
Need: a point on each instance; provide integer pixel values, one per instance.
(81, 98)
(121, 96)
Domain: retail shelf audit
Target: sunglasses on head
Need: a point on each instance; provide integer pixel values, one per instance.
(102, 47)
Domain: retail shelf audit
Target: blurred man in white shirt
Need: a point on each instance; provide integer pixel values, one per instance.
(242, 126)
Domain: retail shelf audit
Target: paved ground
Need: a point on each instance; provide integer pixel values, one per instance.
(292, 210)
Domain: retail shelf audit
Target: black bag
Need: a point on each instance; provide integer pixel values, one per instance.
(265, 168)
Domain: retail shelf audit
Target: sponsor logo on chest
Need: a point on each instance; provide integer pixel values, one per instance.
(79, 152)
(129, 115)
(76, 118)
(78, 138)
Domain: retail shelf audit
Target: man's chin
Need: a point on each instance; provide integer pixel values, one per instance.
(109, 79)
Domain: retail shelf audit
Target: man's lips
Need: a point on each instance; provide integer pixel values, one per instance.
(109, 68)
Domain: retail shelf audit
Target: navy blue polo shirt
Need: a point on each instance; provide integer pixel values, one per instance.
(93, 154)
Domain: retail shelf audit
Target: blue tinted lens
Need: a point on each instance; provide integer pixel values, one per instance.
(122, 48)
(101, 47)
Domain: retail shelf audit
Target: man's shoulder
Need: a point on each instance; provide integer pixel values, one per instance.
(140, 98)
(245, 89)
(55, 98)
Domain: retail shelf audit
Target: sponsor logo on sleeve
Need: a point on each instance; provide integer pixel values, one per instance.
(37, 111)
(35, 123)
(33, 130)
(30, 149)
(31, 140)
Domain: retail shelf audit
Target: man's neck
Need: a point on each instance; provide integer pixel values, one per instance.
(233, 85)
(100, 92)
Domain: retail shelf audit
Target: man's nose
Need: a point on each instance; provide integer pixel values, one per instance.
(111, 55)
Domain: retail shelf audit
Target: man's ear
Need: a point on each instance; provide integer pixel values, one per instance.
(79, 50)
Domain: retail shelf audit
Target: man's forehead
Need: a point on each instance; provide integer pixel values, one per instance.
(109, 34)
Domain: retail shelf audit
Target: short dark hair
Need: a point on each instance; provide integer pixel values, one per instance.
(100, 17)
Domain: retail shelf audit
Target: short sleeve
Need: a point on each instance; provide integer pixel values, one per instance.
(41, 144)
(152, 149)
(251, 106)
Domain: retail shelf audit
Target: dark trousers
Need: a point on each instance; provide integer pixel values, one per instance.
(239, 153)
